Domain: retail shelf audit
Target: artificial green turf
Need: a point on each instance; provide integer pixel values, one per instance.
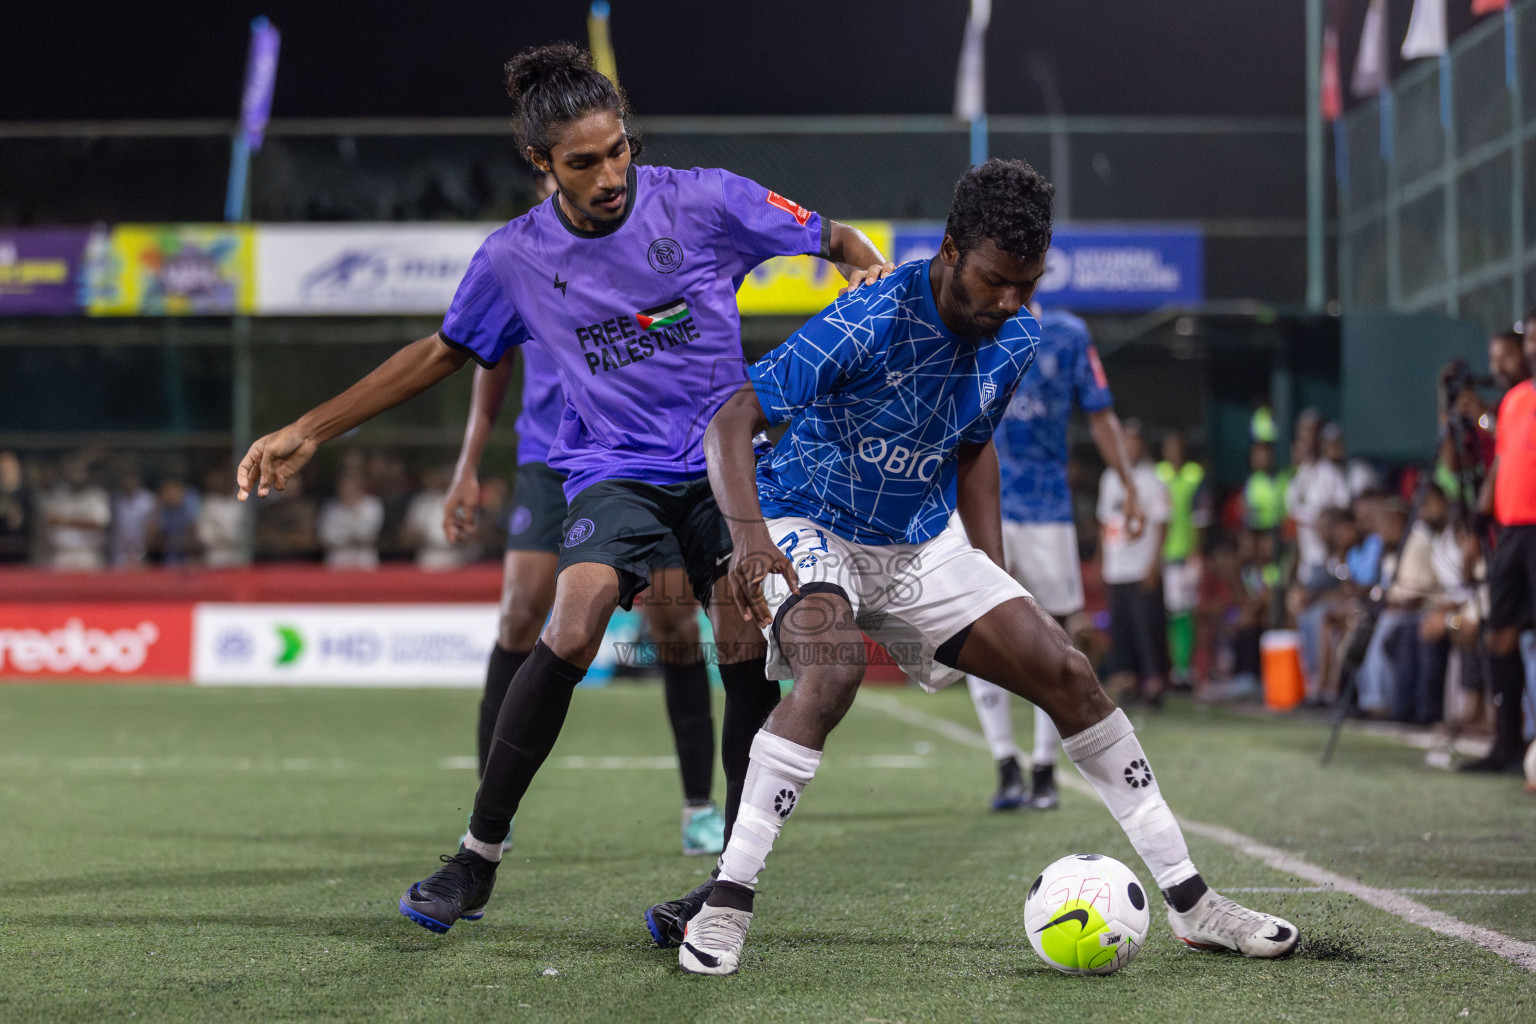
(177, 854)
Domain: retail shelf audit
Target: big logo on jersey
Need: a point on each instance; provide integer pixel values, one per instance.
(789, 206)
(899, 461)
(621, 340)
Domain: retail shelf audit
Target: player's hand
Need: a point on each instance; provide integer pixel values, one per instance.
(459, 508)
(1135, 519)
(753, 559)
(868, 275)
(273, 460)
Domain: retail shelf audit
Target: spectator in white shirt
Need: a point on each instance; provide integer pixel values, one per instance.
(1319, 484)
(423, 526)
(1132, 569)
(349, 526)
(77, 512)
(220, 523)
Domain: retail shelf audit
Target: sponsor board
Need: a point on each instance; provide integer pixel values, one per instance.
(791, 285)
(170, 270)
(362, 268)
(1109, 269)
(42, 270)
(98, 642)
(343, 645)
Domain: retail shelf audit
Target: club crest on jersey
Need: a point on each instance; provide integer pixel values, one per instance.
(580, 531)
(665, 255)
(789, 206)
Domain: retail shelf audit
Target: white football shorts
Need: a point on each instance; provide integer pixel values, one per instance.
(909, 598)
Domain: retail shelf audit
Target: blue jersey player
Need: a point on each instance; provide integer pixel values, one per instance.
(1039, 539)
(892, 396)
(627, 279)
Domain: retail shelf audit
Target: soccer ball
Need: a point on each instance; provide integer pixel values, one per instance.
(1087, 914)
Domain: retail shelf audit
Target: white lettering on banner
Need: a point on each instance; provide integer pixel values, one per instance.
(899, 460)
(362, 645)
(1123, 269)
(74, 648)
(362, 268)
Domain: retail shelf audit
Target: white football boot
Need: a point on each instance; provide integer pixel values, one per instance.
(1215, 922)
(712, 944)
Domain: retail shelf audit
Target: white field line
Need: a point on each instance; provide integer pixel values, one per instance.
(1520, 953)
(1292, 889)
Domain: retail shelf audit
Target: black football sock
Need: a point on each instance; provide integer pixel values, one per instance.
(750, 698)
(498, 676)
(693, 728)
(530, 720)
(1183, 896)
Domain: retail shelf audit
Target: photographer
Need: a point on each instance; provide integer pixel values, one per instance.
(1512, 570)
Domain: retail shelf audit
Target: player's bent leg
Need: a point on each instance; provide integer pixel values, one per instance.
(526, 728)
(750, 696)
(826, 653)
(1020, 648)
(527, 592)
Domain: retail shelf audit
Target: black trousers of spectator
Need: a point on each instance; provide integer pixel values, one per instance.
(1418, 674)
(1138, 630)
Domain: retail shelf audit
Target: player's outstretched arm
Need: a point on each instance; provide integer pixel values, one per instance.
(978, 499)
(274, 459)
(484, 406)
(857, 258)
(733, 478)
(1109, 439)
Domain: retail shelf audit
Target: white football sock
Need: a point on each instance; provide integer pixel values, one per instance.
(1047, 740)
(490, 851)
(995, 713)
(1109, 756)
(776, 776)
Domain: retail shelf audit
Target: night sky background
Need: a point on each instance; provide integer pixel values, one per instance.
(349, 58)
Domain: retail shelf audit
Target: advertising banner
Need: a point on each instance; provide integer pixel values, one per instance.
(343, 645)
(797, 285)
(42, 270)
(171, 270)
(96, 642)
(1112, 269)
(362, 268)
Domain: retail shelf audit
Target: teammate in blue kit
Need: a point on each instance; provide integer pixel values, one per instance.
(893, 395)
(1039, 540)
(627, 279)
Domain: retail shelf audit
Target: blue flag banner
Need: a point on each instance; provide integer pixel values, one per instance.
(1121, 268)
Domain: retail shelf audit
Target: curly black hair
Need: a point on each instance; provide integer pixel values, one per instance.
(555, 84)
(1005, 201)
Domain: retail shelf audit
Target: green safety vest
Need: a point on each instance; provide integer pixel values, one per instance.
(1182, 483)
(1264, 496)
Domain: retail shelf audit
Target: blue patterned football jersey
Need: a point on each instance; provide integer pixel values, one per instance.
(1032, 441)
(880, 395)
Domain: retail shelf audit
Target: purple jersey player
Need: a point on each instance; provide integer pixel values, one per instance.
(628, 279)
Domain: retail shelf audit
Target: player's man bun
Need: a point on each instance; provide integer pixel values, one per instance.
(1005, 201)
(555, 84)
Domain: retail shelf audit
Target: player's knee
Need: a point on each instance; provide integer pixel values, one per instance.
(520, 625)
(1080, 698)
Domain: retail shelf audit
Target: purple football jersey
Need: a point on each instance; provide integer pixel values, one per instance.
(539, 418)
(639, 318)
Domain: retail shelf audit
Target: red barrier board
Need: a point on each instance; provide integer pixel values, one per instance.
(96, 642)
